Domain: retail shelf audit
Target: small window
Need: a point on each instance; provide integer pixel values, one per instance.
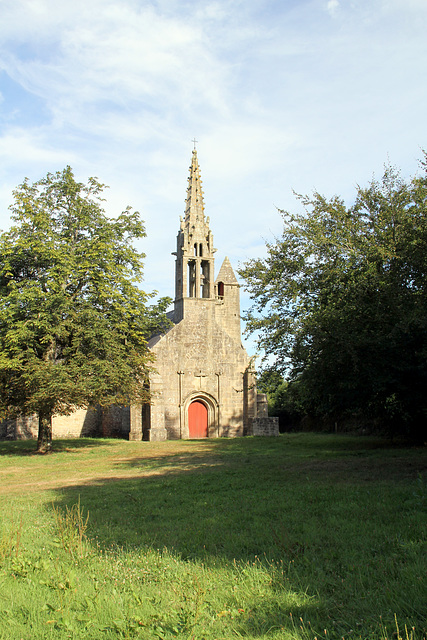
(221, 290)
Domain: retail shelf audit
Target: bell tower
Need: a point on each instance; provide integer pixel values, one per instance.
(194, 265)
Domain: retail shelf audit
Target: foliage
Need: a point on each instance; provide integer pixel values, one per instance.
(71, 525)
(340, 303)
(282, 400)
(73, 322)
(255, 538)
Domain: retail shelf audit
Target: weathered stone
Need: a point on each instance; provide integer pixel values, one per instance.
(265, 427)
(201, 358)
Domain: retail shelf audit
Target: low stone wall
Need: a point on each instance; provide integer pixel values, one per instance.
(21, 428)
(116, 422)
(265, 427)
(91, 423)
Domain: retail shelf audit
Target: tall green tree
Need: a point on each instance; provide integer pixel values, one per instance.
(73, 321)
(340, 303)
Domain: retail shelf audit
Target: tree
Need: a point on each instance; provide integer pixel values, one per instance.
(283, 398)
(340, 305)
(73, 322)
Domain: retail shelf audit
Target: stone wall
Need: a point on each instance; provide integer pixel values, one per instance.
(265, 427)
(198, 360)
(91, 423)
(262, 405)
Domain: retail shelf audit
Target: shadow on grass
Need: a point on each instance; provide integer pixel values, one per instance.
(229, 498)
(203, 510)
(307, 505)
(201, 507)
(29, 447)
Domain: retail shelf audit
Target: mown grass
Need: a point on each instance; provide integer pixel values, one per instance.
(303, 536)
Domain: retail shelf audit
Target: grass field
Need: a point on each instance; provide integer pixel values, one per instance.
(302, 536)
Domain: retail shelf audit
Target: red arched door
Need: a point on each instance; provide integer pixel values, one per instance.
(197, 420)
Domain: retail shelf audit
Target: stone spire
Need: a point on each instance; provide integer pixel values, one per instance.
(194, 206)
(226, 273)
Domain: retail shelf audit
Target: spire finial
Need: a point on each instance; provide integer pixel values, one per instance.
(194, 141)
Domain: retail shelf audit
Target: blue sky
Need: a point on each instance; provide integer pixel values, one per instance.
(281, 96)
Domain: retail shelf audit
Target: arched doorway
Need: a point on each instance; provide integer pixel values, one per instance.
(197, 420)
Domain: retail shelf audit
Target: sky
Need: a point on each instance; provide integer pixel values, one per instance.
(283, 96)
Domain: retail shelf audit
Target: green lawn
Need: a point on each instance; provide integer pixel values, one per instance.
(300, 536)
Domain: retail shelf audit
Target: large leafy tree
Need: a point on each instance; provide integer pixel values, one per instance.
(340, 304)
(73, 322)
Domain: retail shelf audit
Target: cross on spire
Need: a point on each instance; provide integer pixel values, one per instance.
(194, 141)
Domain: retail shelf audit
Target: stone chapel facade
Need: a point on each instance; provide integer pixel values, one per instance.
(204, 385)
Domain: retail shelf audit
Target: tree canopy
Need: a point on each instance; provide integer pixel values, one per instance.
(340, 303)
(73, 322)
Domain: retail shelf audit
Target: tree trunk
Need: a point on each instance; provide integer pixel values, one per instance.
(44, 441)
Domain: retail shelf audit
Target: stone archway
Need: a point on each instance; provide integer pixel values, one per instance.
(201, 415)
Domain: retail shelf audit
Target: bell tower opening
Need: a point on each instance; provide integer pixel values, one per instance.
(206, 279)
(192, 279)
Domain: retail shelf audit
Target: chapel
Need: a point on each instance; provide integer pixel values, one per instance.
(204, 385)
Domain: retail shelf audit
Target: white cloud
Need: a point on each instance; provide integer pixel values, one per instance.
(119, 55)
(18, 146)
(332, 6)
(406, 5)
